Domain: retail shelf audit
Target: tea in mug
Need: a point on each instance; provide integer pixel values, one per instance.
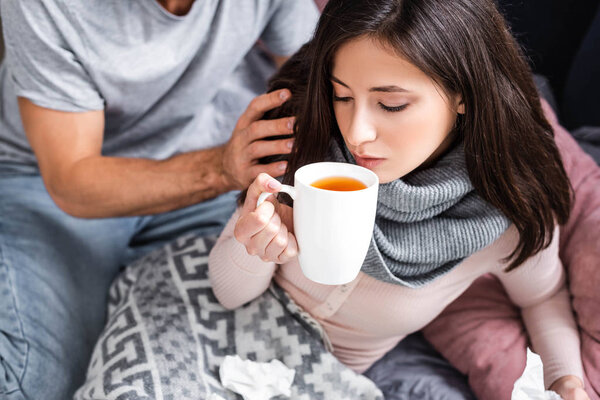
(339, 184)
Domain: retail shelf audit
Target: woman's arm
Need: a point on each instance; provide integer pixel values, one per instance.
(538, 287)
(236, 276)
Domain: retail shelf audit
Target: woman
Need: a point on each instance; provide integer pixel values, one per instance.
(435, 98)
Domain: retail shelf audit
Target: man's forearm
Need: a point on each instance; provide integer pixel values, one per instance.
(97, 187)
(85, 184)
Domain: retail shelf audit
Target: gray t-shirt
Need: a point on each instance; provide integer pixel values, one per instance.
(168, 84)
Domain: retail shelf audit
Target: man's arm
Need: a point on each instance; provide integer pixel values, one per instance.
(86, 184)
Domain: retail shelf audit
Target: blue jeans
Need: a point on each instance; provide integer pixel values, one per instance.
(55, 271)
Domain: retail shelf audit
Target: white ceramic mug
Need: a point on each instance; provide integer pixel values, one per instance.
(333, 228)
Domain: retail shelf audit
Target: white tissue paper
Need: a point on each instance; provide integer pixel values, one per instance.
(254, 380)
(530, 386)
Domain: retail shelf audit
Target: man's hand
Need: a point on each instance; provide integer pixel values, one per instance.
(569, 388)
(240, 154)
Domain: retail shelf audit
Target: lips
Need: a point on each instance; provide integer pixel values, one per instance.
(367, 161)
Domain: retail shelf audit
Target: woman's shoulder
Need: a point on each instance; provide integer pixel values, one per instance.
(494, 257)
(505, 245)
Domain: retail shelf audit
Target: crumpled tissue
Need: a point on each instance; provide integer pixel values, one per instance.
(254, 380)
(530, 386)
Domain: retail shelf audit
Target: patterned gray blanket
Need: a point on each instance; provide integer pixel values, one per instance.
(166, 336)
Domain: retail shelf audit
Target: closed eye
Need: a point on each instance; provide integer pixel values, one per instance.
(342, 99)
(392, 109)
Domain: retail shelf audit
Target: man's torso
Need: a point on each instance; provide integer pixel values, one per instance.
(156, 75)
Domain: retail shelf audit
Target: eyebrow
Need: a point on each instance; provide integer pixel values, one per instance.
(386, 89)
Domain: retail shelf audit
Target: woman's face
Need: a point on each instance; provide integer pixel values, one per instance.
(392, 116)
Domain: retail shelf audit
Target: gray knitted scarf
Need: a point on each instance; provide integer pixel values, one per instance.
(428, 222)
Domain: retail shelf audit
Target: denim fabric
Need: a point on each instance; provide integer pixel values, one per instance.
(55, 271)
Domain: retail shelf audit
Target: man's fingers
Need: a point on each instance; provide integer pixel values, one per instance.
(263, 148)
(275, 169)
(261, 104)
(271, 127)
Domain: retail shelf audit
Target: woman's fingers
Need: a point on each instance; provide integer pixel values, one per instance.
(257, 226)
(260, 229)
(252, 223)
(277, 244)
(258, 244)
(282, 248)
(291, 249)
(263, 183)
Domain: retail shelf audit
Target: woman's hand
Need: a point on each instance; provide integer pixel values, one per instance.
(569, 388)
(264, 230)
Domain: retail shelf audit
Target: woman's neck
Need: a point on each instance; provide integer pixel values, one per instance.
(177, 7)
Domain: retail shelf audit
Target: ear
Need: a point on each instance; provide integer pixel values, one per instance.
(460, 105)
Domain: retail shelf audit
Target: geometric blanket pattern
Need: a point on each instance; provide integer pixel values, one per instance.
(167, 335)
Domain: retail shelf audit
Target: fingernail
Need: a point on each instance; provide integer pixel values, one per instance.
(284, 95)
(290, 123)
(290, 144)
(273, 184)
(282, 166)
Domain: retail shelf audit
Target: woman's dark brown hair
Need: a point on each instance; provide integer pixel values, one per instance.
(466, 48)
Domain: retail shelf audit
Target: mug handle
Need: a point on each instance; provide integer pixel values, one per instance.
(284, 188)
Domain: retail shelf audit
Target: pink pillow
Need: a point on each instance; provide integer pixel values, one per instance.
(482, 334)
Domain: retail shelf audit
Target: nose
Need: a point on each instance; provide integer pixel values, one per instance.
(361, 129)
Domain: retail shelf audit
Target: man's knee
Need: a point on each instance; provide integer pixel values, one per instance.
(48, 323)
(13, 346)
(13, 356)
(41, 366)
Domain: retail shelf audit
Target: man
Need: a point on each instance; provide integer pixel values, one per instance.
(116, 125)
